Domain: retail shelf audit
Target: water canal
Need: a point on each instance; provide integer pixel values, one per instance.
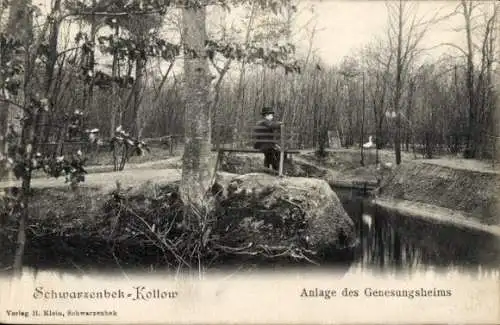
(390, 242)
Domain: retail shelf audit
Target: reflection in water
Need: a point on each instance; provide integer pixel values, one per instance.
(392, 242)
(388, 242)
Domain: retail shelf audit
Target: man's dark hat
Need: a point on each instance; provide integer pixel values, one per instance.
(267, 110)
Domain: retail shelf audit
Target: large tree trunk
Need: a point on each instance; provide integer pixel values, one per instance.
(28, 138)
(17, 26)
(28, 130)
(197, 167)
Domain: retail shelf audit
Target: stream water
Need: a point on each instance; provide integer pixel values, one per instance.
(391, 242)
(388, 243)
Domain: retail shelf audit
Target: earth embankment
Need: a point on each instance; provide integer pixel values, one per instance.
(472, 192)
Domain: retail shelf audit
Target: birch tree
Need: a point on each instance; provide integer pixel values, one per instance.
(197, 164)
(19, 28)
(23, 94)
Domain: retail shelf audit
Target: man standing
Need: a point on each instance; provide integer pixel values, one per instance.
(269, 131)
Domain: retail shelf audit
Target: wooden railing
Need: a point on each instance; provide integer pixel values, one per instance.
(244, 142)
(68, 147)
(246, 139)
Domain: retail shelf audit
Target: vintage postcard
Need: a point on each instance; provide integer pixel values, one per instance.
(249, 162)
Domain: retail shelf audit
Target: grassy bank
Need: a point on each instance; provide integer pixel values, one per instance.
(461, 187)
(131, 226)
(134, 220)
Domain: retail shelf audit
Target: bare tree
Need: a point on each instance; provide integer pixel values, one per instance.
(30, 121)
(239, 99)
(478, 82)
(377, 63)
(406, 29)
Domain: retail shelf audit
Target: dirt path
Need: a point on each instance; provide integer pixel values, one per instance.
(107, 181)
(436, 214)
(465, 164)
(301, 159)
(169, 170)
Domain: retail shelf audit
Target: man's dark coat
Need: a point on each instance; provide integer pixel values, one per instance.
(266, 130)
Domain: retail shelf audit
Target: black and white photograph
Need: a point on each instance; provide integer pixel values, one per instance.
(249, 137)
